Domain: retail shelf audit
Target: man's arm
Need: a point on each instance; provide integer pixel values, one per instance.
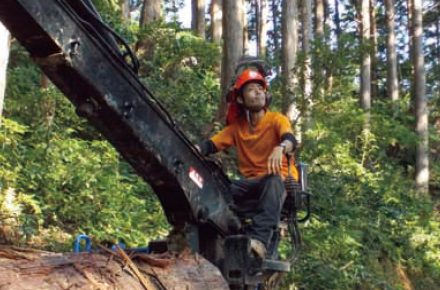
(206, 147)
(275, 161)
(287, 145)
(222, 140)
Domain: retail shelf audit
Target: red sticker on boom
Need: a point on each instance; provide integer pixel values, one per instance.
(195, 176)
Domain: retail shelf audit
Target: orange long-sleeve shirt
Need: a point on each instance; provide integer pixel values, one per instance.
(254, 148)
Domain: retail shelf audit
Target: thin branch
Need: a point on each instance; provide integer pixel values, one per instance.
(147, 285)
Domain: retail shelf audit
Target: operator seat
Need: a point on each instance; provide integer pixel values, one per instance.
(292, 197)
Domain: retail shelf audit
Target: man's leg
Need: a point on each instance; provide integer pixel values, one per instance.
(265, 222)
(268, 194)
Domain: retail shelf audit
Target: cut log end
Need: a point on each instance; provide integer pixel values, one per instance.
(28, 269)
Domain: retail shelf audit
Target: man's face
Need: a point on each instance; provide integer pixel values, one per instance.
(254, 97)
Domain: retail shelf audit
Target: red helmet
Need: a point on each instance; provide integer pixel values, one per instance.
(249, 75)
(246, 76)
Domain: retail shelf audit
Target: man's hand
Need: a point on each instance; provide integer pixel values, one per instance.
(275, 161)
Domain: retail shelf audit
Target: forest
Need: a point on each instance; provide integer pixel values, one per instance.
(358, 79)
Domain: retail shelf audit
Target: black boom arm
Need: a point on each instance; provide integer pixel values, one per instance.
(88, 68)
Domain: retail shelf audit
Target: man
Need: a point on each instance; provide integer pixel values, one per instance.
(262, 140)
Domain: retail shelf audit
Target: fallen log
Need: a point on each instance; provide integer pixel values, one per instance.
(26, 269)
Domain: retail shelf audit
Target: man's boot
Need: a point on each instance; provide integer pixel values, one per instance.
(258, 248)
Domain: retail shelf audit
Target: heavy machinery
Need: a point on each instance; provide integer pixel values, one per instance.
(83, 58)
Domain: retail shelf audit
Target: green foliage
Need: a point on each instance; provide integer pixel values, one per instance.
(66, 179)
(85, 185)
(368, 227)
(182, 75)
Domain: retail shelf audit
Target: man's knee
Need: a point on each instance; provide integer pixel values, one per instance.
(274, 185)
(273, 180)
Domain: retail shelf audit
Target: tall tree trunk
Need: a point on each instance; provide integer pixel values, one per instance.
(328, 65)
(193, 15)
(410, 4)
(201, 6)
(232, 48)
(327, 22)
(125, 9)
(150, 12)
(365, 90)
(289, 31)
(366, 57)
(319, 63)
(373, 50)
(392, 81)
(262, 30)
(257, 24)
(4, 57)
(245, 30)
(216, 20)
(275, 35)
(337, 23)
(319, 20)
(422, 150)
(198, 17)
(437, 28)
(307, 71)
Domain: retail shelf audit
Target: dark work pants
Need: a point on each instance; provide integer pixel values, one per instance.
(268, 193)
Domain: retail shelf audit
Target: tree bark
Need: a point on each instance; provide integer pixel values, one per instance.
(289, 31)
(319, 19)
(373, 50)
(151, 11)
(125, 9)
(307, 71)
(437, 31)
(257, 24)
(392, 81)
(422, 150)
(275, 35)
(201, 18)
(437, 28)
(198, 17)
(31, 269)
(327, 23)
(232, 48)
(410, 4)
(328, 43)
(216, 20)
(319, 64)
(337, 23)
(366, 57)
(262, 30)
(245, 30)
(4, 57)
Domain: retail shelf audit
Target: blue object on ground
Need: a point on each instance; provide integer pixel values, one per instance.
(88, 246)
(77, 248)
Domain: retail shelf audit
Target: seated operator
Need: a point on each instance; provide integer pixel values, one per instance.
(261, 139)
